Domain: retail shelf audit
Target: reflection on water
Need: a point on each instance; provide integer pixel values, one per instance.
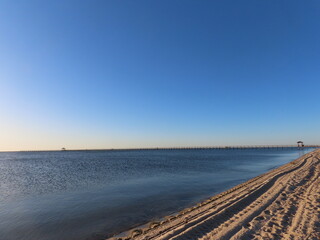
(78, 195)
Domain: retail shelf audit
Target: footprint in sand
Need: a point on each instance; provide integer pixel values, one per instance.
(259, 218)
(267, 212)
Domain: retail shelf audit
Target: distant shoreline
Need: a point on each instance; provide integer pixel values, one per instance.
(282, 203)
(177, 148)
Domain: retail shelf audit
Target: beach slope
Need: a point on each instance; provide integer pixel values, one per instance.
(281, 204)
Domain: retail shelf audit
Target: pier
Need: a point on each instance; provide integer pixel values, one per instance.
(190, 148)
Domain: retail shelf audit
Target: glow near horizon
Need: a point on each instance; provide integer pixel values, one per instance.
(114, 75)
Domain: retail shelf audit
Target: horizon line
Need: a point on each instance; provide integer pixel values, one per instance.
(170, 148)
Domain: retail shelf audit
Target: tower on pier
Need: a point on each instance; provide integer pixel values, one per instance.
(300, 144)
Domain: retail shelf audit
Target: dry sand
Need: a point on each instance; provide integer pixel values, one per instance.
(281, 204)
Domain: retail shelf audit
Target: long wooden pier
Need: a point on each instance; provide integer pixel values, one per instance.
(191, 148)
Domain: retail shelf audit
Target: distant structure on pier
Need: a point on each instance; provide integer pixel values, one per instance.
(300, 144)
(63, 149)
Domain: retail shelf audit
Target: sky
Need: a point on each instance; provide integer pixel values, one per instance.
(126, 74)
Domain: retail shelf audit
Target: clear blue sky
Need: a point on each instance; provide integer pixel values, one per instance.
(113, 74)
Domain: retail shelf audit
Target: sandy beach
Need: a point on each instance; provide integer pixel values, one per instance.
(281, 204)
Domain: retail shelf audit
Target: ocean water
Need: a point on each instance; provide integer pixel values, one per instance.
(78, 195)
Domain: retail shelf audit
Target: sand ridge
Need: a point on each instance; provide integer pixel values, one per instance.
(281, 204)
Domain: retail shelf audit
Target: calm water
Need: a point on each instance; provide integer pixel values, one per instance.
(93, 194)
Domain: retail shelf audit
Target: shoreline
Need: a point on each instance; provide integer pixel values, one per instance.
(280, 204)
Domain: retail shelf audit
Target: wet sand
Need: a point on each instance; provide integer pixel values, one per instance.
(281, 204)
